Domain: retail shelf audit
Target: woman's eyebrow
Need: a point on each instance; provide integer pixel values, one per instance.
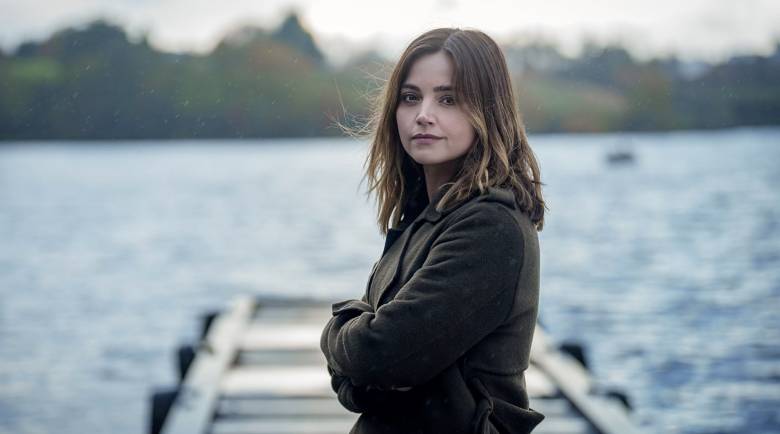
(442, 88)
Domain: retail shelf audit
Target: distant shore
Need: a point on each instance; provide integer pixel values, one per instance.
(95, 83)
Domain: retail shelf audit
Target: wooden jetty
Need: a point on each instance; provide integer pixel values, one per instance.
(258, 369)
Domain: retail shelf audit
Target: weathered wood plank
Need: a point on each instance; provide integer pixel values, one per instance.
(278, 380)
(295, 425)
(282, 377)
(576, 378)
(300, 314)
(308, 379)
(564, 425)
(281, 336)
(247, 407)
(286, 357)
(193, 408)
(343, 425)
(538, 385)
(574, 382)
(258, 406)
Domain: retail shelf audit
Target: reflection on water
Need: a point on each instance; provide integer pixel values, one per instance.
(668, 269)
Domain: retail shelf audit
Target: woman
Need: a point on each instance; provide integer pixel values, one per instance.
(440, 340)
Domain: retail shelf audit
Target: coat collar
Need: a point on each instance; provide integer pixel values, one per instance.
(493, 194)
(430, 214)
(419, 207)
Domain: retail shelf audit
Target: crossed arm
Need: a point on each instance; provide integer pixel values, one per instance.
(463, 291)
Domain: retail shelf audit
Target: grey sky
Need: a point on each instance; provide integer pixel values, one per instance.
(696, 29)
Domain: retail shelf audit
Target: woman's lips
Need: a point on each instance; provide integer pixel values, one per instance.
(425, 140)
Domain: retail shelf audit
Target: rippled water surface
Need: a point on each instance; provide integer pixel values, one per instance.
(668, 269)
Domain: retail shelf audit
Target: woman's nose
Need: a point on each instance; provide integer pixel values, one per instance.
(424, 115)
(422, 120)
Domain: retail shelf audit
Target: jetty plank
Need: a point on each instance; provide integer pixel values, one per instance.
(606, 415)
(260, 370)
(195, 403)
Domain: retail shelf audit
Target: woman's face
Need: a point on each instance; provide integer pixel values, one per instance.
(427, 105)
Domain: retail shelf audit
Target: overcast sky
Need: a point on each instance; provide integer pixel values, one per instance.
(695, 29)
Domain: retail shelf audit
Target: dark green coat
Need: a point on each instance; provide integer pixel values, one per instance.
(440, 341)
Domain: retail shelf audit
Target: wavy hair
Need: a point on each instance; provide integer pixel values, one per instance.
(500, 156)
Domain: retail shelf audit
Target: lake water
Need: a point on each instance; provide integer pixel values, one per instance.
(668, 270)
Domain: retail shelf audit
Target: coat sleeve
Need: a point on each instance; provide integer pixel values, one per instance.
(360, 399)
(348, 394)
(464, 290)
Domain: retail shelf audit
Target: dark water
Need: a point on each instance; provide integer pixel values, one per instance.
(668, 270)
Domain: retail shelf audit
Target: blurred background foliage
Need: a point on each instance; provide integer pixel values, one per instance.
(94, 82)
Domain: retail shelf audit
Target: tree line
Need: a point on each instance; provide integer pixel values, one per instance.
(95, 82)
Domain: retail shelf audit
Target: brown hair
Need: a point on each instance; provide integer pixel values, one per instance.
(501, 155)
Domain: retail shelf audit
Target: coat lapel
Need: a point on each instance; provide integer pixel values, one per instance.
(389, 266)
(397, 242)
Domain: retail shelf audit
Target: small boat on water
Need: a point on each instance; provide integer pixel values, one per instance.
(620, 157)
(621, 154)
(258, 369)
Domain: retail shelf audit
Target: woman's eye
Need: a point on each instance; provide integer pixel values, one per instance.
(449, 100)
(406, 97)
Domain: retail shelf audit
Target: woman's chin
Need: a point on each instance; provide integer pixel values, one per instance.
(426, 159)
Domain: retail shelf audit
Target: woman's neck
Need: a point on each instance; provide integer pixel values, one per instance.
(438, 174)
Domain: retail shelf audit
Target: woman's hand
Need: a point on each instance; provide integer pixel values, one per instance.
(402, 389)
(347, 395)
(359, 399)
(395, 388)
